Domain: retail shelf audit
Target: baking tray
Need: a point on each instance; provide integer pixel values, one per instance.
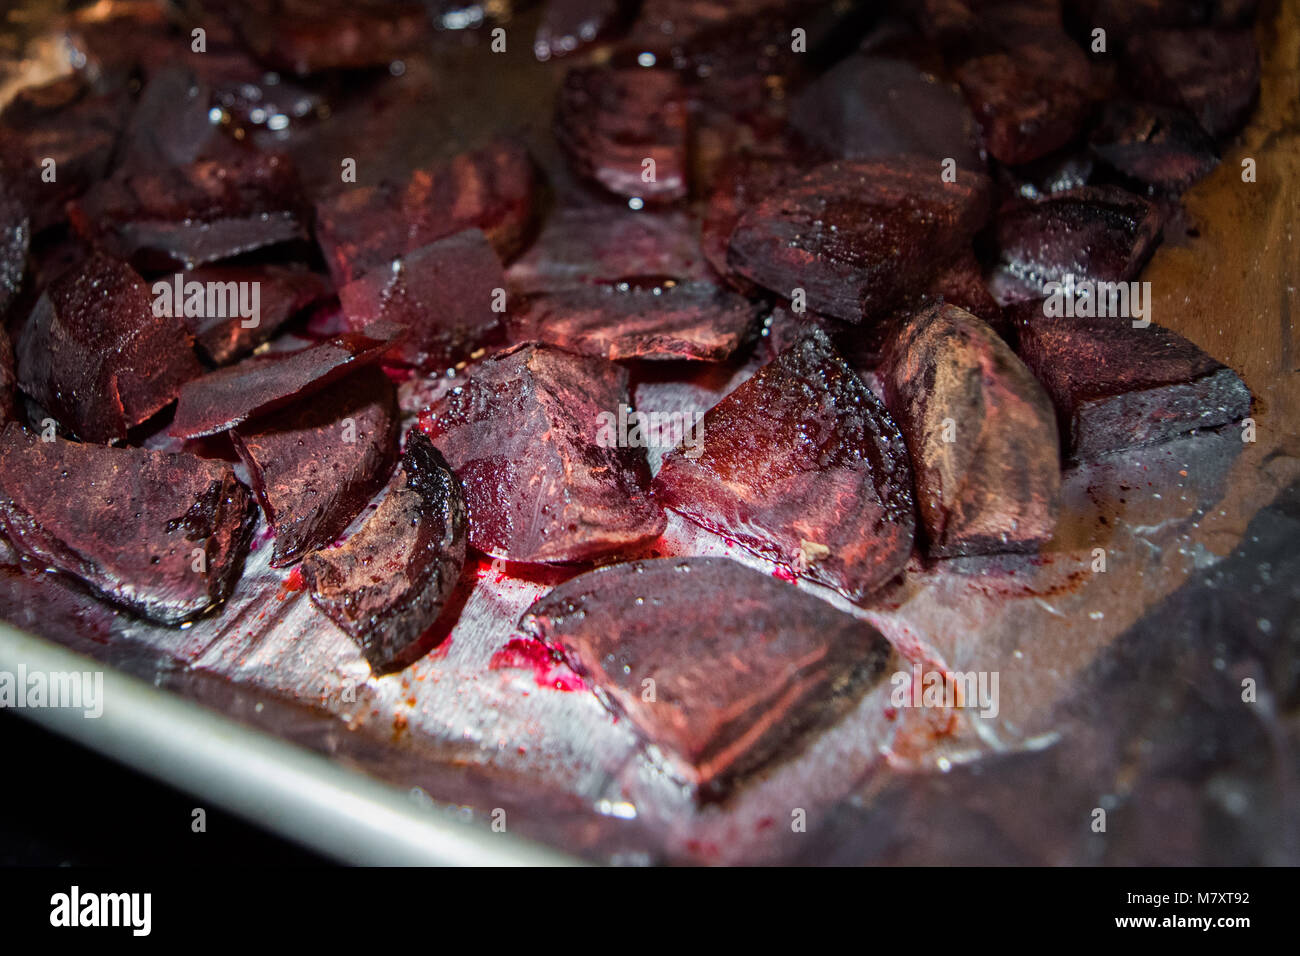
(269, 710)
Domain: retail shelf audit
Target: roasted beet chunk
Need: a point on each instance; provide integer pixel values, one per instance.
(186, 216)
(543, 480)
(1099, 233)
(273, 294)
(769, 665)
(308, 36)
(1160, 146)
(493, 189)
(94, 354)
(625, 129)
(961, 283)
(1214, 74)
(316, 463)
(857, 235)
(388, 582)
(442, 296)
(803, 465)
(981, 432)
(162, 534)
(659, 320)
(229, 396)
(741, 182)
(570, 25)
(15, 237)
(1116, 386)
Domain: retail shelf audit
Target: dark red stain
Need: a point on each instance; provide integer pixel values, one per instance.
(526, 653)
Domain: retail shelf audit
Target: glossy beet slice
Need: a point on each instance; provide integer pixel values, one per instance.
(613, 123)
(15, 238)
(316, 463)
(94, 354)
(857, 235)
(219, 401)
(570, 25)
(187, 216)
(493, 189)
(1098, 233)
(1162, 146)
(524, 435)
(282, 292)
(1115, 386)
(309, 36)
(981, 432)
(732, 694)
(1214, 74)
(694, 321)
(162, 534)
(803, 465)
(389, 581)
(441, 295)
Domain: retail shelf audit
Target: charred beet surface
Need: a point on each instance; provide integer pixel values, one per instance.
(162, 534)
(94, 354)
(858, 235)
(316, 463)
(1116, 386)
(523, 435)
(981, 433)
(803, 465)
(773, 664)
(389, 581)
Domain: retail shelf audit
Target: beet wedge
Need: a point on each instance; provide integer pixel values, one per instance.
(730, 695)
(94, 354)
(1115, 386)
(227, 397)
(801, 464)
(981, 433)
(162, 534)
(388, 583)
(316, 463)
(542, 481)
(856, 236)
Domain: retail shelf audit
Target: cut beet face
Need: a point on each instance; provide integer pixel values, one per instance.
(1213, 74)
(1116, 386)
(96, 356)
(442, 295)
(981, 432)
(693, 321)
(545, 480)
(803, 465)
(1161, 146)
(308, 36)
(316, 463)
(1098, 233)
(162, 534)
(732, 693)
(219, 401)
(273, 295)
(857, 235)
(570, 25)
(388, 583)
(187, 216)
(367, 227)
(626, 130)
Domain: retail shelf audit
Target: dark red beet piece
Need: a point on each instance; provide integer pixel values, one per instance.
(742, 182)
(1115, 386)
(1161, 146)
(961, 283)
(803, 465)
(523, 435)
(309, 36)
(610, 122)
(15, 238)
(388, 583)
(493, 189)
(696, 321)
(316, 463)
(1098, 233)
(442, 295)
(162, 534)
(219, 401)
(569, 25)
(1214, 74)
(858, 235)
(732, 693)
(981, 433)
(171, 125)
(94, 354)
(282, 293)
